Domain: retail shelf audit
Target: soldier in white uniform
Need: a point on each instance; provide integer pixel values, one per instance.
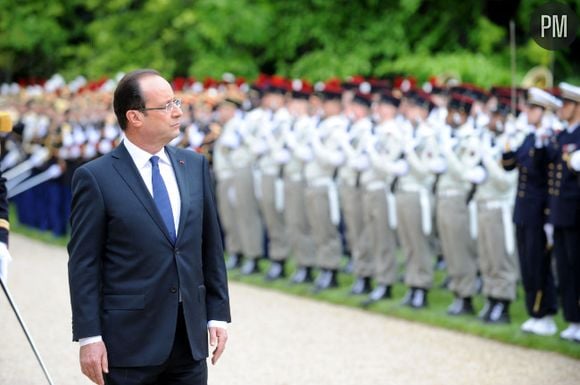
(414, 203)
(271, 132)
(348, 181)
(452, 195)
(491, 222)
(378, 199)
(244, 148)
(301, 241)
(321, 198)
(230, 117)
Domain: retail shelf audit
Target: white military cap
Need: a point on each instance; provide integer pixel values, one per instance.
(570, 92)
(544, 99)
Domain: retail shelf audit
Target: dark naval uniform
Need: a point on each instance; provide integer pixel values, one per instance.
(530, 215)
(564, 214)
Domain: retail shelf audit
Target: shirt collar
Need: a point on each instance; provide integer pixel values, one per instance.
(142, 157)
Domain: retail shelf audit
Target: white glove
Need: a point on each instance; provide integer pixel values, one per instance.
(400, 167)
(304, 153)
(549, 230)
(410, 145)
(476, 175)
(195, 138)
(575, 160)
(361, 163)
(438, 165)
(231, 140)
(282, 156)
(5, 259)
(542, 135)
(259, 147)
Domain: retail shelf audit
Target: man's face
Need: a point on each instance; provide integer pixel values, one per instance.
(332, 107)
(535, 114)
(567, 111)
(159, 126)
(225, 112)
(359, 111)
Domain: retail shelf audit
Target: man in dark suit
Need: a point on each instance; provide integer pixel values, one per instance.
(146, 270)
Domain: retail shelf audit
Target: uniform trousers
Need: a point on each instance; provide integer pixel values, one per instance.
(278, 246)
(415, 244)
(566, 241)
(326, 236)
(499, 269)
(225, 196)
(301, 241)
(248, 219)
(458, 247)
(536, 270)
(382, 240)
(351, 207)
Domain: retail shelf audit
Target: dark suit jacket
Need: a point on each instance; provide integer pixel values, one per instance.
(125, 274)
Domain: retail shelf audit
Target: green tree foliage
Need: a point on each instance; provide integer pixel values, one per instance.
(312, 39)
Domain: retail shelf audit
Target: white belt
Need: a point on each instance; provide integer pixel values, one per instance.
(295, 177)
(425, 206)
(411, 188)
(222, 175)
(492, 205)
(375, 185)
(506, 216)
(333, 203)
(319, 182)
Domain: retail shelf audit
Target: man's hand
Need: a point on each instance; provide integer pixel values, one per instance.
(94, 362)
(217, 338)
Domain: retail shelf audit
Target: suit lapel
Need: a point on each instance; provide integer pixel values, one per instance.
(179, 168)
(126, 168)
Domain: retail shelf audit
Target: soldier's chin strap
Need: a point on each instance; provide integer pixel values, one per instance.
(28, 336)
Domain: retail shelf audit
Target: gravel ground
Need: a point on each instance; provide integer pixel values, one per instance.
(275, 340)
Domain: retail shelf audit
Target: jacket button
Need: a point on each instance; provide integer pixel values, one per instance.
(173, 290)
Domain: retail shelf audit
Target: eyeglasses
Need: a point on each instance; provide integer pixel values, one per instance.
(168, 107)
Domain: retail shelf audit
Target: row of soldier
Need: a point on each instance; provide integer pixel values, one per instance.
(427, 173)
(369, 170)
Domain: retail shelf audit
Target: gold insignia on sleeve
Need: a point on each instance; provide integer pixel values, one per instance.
(4, 224)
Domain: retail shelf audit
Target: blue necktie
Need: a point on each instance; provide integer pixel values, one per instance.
(161, 197)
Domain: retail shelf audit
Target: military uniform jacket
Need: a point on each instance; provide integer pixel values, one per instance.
(532, 186)
(563, 188)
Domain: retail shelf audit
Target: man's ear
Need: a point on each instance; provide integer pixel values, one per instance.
(134, 118)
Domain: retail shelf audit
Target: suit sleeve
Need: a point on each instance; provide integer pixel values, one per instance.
(88, 229)
(214, 270)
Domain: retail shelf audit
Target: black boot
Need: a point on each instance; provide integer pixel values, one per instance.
(380, 292)
(486, 310)
(234, 261)
(250, 267)
(461, 306)
(303, 275)
(419, 300)
(325, 280)
(276, 271)
(361, 286)
(406, 301)
(499, 313)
